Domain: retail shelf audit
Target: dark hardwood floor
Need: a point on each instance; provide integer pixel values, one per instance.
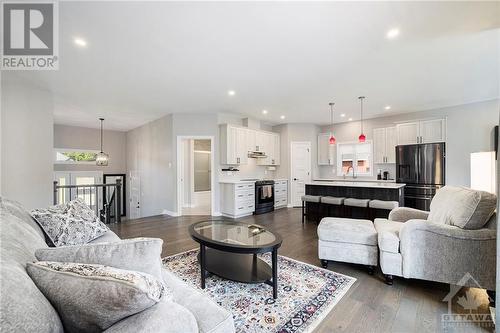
(369, 306)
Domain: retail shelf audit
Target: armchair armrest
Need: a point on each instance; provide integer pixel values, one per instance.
(445, 253)
(403, 214)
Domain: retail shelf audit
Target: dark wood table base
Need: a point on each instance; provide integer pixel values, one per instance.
(239, 267)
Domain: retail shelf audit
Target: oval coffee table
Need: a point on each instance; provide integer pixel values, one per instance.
(232, 251)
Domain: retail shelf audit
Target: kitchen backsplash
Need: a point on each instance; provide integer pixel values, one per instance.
(250, 170)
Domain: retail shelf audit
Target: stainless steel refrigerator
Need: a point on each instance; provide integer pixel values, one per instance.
(421, 167)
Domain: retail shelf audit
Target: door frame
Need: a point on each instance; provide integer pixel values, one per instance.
(292, 143)
(180, 165)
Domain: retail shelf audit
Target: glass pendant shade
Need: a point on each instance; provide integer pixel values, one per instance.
(332, 140)
(102, 159)
(362, 138)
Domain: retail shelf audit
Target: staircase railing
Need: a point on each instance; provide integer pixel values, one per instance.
(90, 194)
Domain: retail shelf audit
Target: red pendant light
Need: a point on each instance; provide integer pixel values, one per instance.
(362, 137)
(332, 138)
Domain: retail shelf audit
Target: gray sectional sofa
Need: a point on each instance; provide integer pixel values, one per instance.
(24, 308)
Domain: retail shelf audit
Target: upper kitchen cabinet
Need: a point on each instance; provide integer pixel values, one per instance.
(233, 143)
(269, 143)
(384, 145)
(425, 131)
(326, 151)
(237, 143)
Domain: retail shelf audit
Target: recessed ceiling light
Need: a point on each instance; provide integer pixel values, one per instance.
(350, 119)
(264, 111)
(342, 115)
(231, 92)
(392, 33)
(282, 117)
(387, 107)
(80, 42)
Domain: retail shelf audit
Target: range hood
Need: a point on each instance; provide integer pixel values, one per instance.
(257, 154)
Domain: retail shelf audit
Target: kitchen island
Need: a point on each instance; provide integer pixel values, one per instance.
(386, 191)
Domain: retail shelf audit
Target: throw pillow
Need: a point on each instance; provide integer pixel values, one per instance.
(73, 223)
(91, 298)
(136, 254)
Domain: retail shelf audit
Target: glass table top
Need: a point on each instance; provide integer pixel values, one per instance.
(234, 233)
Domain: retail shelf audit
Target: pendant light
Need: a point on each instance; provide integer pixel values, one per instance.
(102, 158)
(332, 138)
(362, 137)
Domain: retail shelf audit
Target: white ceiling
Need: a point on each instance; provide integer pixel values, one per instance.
(144, 60)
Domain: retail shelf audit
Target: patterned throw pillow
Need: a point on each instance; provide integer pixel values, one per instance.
(73, 223)
(91, 298)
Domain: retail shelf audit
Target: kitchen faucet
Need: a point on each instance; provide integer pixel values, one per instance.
(353, 175)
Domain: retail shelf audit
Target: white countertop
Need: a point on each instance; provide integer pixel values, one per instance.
(240, 181)
(357, 184)
(349, 179)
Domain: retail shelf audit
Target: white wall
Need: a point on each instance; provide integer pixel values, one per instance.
(27, 141)
(89, 138)
(469, 129)
(296, 133)
(149, 151)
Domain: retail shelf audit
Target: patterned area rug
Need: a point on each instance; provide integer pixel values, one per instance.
(306, 294)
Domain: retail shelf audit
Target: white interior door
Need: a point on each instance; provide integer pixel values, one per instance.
(300, 170)
(135, 195)
(89, 195)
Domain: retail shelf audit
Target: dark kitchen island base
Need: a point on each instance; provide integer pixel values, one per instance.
(385, 192)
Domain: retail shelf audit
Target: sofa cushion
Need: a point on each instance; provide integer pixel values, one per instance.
(462, 207)
(210, 317)
(136, 254)
(73, 223)
(91, 298)
(388, 234)
(164, 317)
(108, 236)
(345, 230)
(23, 307)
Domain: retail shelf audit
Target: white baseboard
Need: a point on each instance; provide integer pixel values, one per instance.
(169, 212)
(217, 214)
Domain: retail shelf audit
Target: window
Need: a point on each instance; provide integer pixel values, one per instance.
(74, 156)
(355, 157)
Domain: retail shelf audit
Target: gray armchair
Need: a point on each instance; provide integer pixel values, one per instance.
(458, 236)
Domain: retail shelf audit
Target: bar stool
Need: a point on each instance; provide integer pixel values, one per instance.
(312, 199)
(357, 208)
(333, 203)
(381, 208)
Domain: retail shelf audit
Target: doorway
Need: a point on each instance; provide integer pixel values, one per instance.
(195, 178)
(300, 170)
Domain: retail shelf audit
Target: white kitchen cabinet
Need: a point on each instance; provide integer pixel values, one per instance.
(384, 143)
(270, 145)
(251, 140)
(424, 131)
(237, 199)
(432, 131)
(233, 145)
(326, 151)
(408, 133)
(280, 193)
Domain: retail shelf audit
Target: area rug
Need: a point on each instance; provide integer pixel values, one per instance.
(306, 294)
